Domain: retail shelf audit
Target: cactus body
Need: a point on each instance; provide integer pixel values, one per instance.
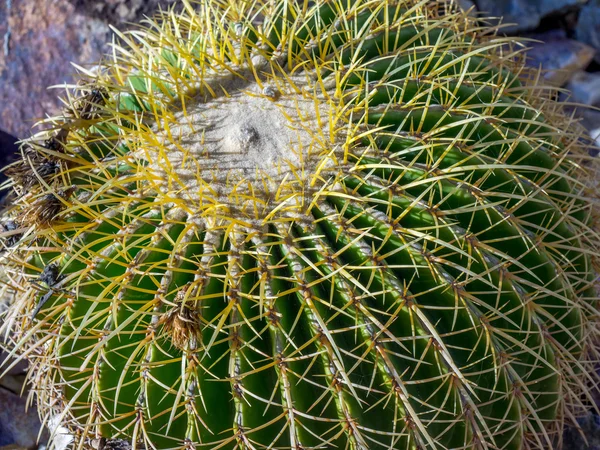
(276, 225)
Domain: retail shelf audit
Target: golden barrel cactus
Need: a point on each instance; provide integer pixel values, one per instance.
(275, 224)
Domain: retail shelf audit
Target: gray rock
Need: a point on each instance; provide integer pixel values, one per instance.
(584, 89)
(586, 437)
(19, 425)
(588, 25)
(468, 5)
(19, 368)
(558, 57)
(589, 119)
(523, 14)
(583, 102)
(8, 151)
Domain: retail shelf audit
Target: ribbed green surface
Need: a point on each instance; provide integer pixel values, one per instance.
(436, 293)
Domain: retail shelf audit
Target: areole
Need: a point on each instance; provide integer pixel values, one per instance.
(249, 145)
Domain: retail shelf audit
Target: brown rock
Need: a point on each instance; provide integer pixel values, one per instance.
(39, 38)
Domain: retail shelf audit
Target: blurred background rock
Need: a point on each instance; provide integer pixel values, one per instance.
(39, 39)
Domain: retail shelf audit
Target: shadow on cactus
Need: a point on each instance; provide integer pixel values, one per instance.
(272, 224)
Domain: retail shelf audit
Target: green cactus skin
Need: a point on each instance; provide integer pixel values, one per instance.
(270, 224)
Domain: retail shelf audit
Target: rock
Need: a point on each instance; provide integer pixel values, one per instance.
(590, 427)
(523, 14)
(18, 425)
(595, 135)
(559, 58)
(44, 36)
(61, 437)
(569, 23)
(588, 26)
(39, 39)
(8, 151)
(589, 119)
(584, 89)
(118, 11)
(469, 6)
(18, 369)
(14, 381)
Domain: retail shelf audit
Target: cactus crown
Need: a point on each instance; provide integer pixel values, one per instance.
(278, 224)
